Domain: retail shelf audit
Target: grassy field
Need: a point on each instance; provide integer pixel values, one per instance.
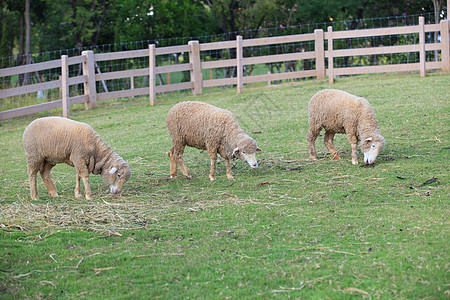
(292, 228)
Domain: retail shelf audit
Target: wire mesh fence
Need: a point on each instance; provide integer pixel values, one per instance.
(213, 55)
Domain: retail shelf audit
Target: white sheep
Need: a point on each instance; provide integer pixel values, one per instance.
(340, 112)
(204, 126)
(52, 140)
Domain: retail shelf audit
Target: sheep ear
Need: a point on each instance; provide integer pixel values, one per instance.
(113, 170)
(236, 150)
(369, 139)
(258, 149)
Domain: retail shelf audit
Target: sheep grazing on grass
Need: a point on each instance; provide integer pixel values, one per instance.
(204, 126)
(340, 112)
(52, 140)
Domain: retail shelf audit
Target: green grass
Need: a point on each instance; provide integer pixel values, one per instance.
(289, 229)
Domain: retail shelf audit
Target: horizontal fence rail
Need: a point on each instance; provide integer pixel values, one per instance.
(82, 81)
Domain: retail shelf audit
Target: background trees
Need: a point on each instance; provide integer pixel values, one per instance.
(57, 24)
(136, 20)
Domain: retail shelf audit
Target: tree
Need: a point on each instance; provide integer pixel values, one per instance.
(239, 15)
(295, 12)
(55, 24)
(86, 19)
(5, 45)
(74, 23)
(437, 4)
(144, 20)
(8, 26)
(27, 32)
(20, 23)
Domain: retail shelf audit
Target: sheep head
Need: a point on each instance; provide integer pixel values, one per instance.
(115, 176)
(246, 151)
(371, 147)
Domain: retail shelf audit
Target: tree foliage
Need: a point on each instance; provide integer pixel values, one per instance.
(236, 15)
(143, 20)
(294, 12)
(65, 24)
(74, 23)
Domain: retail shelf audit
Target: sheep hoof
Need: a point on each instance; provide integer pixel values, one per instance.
(212, 178)
(89, 197)
(54, 194)
(336, 157)
(230, 176)
(172, 176)
(354, 162)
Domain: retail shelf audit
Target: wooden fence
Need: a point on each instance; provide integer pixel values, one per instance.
(88, 59)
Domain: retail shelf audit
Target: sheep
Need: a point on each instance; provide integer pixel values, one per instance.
(52, 140)
(204, 126)
(340, 112)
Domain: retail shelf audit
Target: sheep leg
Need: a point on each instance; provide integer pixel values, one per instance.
(212, 169)
(87, 187)
(45, 174)
(33, 168)
(311, 137)
(83, 172)
(228, 166)
(77, 186)
(353, 140)
(178, 154)
(173, 164)
(354, 154)
(33, 186)
(328, 141)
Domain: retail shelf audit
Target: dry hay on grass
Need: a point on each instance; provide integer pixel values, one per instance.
(101, 217)
(105, 215)
(133, 209)
(109, 215)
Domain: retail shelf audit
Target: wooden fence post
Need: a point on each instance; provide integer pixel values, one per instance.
(330, 55)
(196, 67)
(239, 64)
(422, 57)
(65, 86)
(320, 55)
(445, 50)
(132, 84)
(152, 75)
(89, 86)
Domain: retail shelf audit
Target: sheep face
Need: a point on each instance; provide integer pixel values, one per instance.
(371, 147)
(116, 176)
(247, 152)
